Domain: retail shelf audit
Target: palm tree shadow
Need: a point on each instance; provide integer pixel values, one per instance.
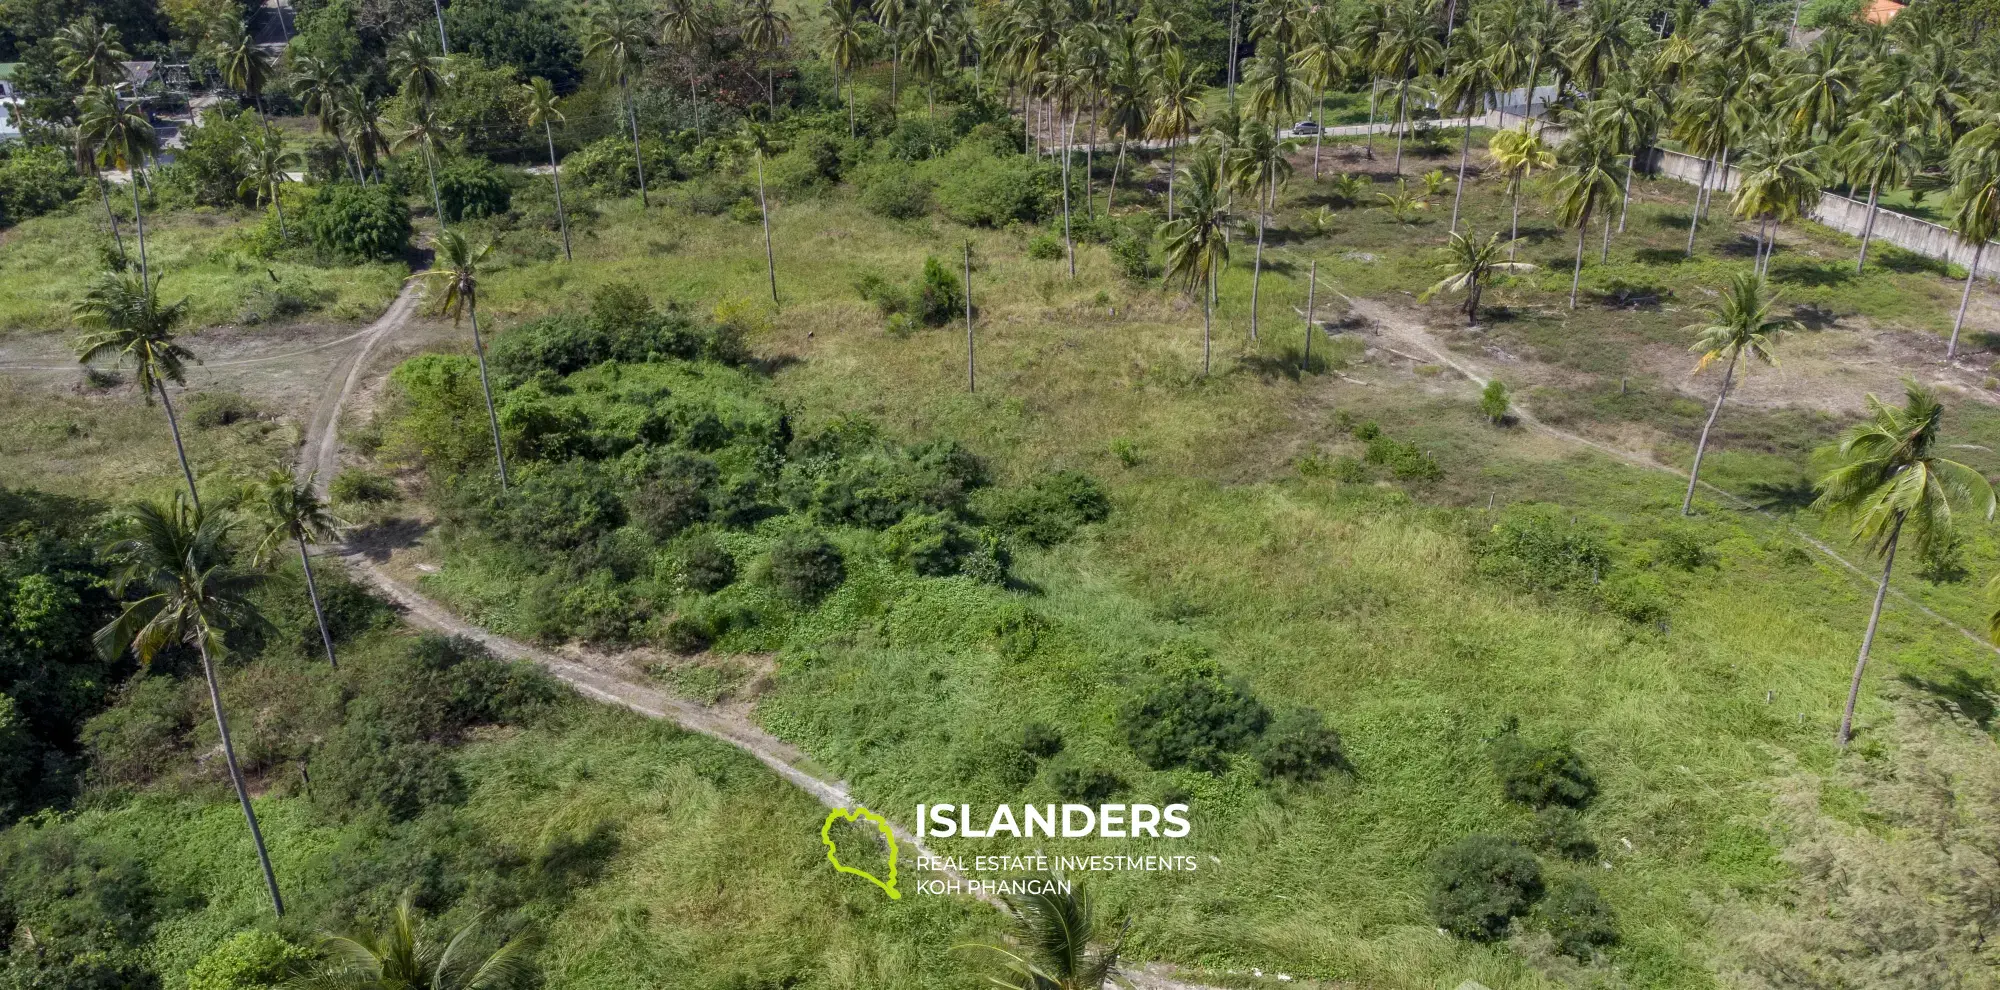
(1813, 274)
(380, 540)
(1662, 256)
(1815, 317)
(1782, 496)
(1961, 694)
(1289, 364)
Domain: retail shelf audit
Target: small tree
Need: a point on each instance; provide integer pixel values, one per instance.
(1742, 325)
(1472, 264)
(1493, 402)
(291, 511)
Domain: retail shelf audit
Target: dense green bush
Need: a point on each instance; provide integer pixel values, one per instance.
(809, 165)
(16, 760)
(1299, 746)
(706, 566)
(530, 36)
(471, 187)
(1537, 546)
(621, 326)
(1540, 775)
(139, 739)
(1406, 460)
(209, 167)
(1481, 883)
(896, 191)
(1041, 740)
(359, 486)
(34, 180)
(807, 567)
(77, 911)
(1086, 784)
(366, 223)
(248, 960)
(557, 507)
(673, 495)
(1191, 719)
(1049, 509)
(1578, 918)
(607, 167)
(977, 188)
(1046, 246)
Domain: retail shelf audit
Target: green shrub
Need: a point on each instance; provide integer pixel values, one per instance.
(608, 167)
(209, 167)
(357, 486)
(812, 163)
(807, 567)
(1132, 252)
(1300, 747)
(1640, 598)
(557, 507)
(1578, 918)
(248, 960)
(1682, 549)
(688, 633)
(1829, 13)
(705, 566)
(471, 187)
(1558, 831)
(367, 223)
(1191, 719)
(1050, 509)
(938, 295)
(16, 759)
(666, 505)
(896, 191)
(1045, 246)
(598, 609)
(930, 544)
(1481, 883)
(1536, 546)
(1405, 460)
(1541, 775)
(34, 180)
(1493, 403)
(980, 189)
(1041, 740)
(210, 410)
(1087, 784)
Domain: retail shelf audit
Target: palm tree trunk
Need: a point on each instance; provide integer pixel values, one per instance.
(971, 361)
(104, 190)
(1513, 239)
(555, 174)
(279, 206)
(236, 778)
(444, 46)
(1701, 446)
(1971, 272)
(850, 104)
(1868, 226)
(1374, 94)
(180, 450)
(1472, 301)
(1207, 317)
(1257, 266)
(1721, 182)
(1604, 253)
(1089, 166)
(1868, 638)
(139, 220)
(770, 260)
(436, 203)
(1069, 244)
(694, 100)
(895, 72)
(1233, 22)
(312, 591)
(1173, 166)
(1312, 286)
(1576, 278)
(1631, 165)
(1694, 215)
(486, 386)
(1464, 150)
(639, 160)
(1319, 122)
(1112, 190)
(1402, 101)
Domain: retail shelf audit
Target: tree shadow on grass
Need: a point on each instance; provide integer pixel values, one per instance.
(1959, 693)
(1815, 317)
(1621, 294)
(1782, 496)
(1662, 256)
(378, 541)
(1895, 259)
(1288, 364)
(1816, 274)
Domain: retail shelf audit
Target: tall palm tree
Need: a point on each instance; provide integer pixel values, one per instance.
(245, 67)
(687, 23)
(542, 110)
(1471, 264)
(765, 29)
(84, 157)
(1322, 62)
(1975, 194)
(361, 117)
(1257, 165)
(846, 46)
(1586, 181)
(616, 37)
(1519, 154)
(1741, 325)
(1602, 37)
(932, 46)
(1407, 51)
(401, 958)
(89, 55)
(1631, 114)
(420, 75)
(177, 556)
(1707, 116)
(320, 85)
(1126, 112)
(1894, 482)
(267, 164)
(290, 510)
(1466, 91)
(1876, 149)
(125, 137)
(454, 274)
(123, 313)
(1197, 241)
(1177, 90)
(1055, 941)
(419, 129)
(890, 15)
(1776, 183)
(1814, 96)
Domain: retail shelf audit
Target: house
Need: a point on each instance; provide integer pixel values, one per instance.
(1880, 11)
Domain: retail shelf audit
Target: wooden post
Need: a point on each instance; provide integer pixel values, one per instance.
(1312, 283)
(971, 368)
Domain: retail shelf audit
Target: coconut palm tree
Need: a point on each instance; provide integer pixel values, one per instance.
(687, 23)
(454, 275)
(177, 557)
(419, 129)
(933, 47)
(1519, 154)
(1777, 182)
(361, 116)
(84, 156)
(616, 37)
(1875, 150)
(1257, 165)
(290, 510)
(1472, 263)
(1322, 62)
(890, 15)
(1197, 241)
(1707, 116)
(320, 85)
(420, 74)
(1742, 325)
(1472, 83)
(88, 53)
(1055, 941)
(125, 319)
(1177, 89)
(1407, 51)
(846, 46)
(1814, 96)
(1975, 194)
(125, 137)
(267, 164)
(1586, 181)
(766, 28)
(401, 958)
(1125, 110)
(245, 67)
(1630, 113)
(1602, 37)
(542, 110)
(1892, 479)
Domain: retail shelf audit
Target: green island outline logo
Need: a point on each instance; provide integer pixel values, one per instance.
(881, 824)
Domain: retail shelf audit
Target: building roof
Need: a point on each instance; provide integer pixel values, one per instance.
(1881, 11)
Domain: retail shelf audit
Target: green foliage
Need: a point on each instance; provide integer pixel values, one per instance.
(1086, 784)
(1049, 509)
(90, 904)
(1041, 740)
(705, 565)
(935, 298)
(529, 37)
(1538, 547)
(1192, 719)
(17, 752)
(621, 326)
(248, 960)
(1481, 883)
(1541, 775)
(209, 167)
(1299, 746)
(1829, 13)
(978, 188)
(556, 507)
(1559, 831)
(139, 739)
(362, 223)
(936, 545)
(34, 179)
(359, 486)
(1578, 918)
(896, 191)
(1406, 460)
(806, 566)
(1045, 246)
(607, 166)
(470, 187)
(1493, 401)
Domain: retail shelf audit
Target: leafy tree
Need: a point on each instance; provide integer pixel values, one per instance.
(1197, 242)
(455, 275)
(1493, 403)
(1482, 883)
(529, 36)
(1055, 941)
(1742, 325)
(268, 165)
(1892, 480)
(1472, 264)
(177, 556)
(125, 318)
(355, 221)
(542, 110)
(287, 509)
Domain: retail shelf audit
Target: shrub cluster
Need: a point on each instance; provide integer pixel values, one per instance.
(1192, 719)
(1049, 509)
(934, 298)
(362, 223)
(470, 187)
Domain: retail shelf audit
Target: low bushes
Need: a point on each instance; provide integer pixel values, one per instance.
(470, 187)
(1192, 719)
(363, 223)
(978, 188)
(807, 567)
(1049, 509)
(1481, 884)
(1541, 775)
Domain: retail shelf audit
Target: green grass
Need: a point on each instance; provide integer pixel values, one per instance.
(203, 256)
